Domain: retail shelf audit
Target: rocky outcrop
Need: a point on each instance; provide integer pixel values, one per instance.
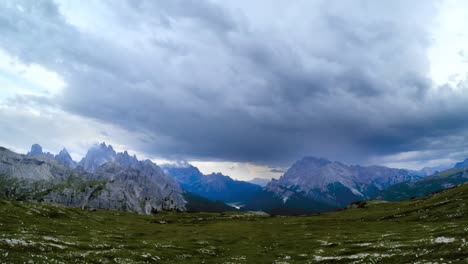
(132, 185)
(35, 168)
(96, 156)
(64, 158)
(36, 150)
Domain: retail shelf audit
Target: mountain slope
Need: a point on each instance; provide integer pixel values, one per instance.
(425, 186)
(215, 186)
(64, 158)
(461, 164)
(320, 185)
(138, 186)
(96, 156)
(30, 167)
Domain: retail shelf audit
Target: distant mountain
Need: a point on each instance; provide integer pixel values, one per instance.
(31, 167)
(96, 156)
(115, 181)
(102, 153)
(427, 171)
(462, 164)
(36, 150)
(424, 186)
(317, 184)
(260, 181)
(215, 186)
(64, 158)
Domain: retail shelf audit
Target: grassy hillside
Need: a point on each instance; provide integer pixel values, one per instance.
(425, 186)
(196, 203)
(421, 230)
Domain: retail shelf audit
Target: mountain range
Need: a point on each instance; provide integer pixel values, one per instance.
(214, 186)
(317, 184)
(107, 179)
(425, 186)
(103, 179)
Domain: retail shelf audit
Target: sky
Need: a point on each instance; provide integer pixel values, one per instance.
(239, 87)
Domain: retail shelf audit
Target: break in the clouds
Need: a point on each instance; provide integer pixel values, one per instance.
(255, 82)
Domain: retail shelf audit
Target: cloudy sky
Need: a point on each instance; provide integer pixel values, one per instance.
(242, 87)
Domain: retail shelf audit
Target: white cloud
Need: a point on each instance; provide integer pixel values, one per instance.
(237, 170)
(27, 123)
(17, 78)
(449, 51)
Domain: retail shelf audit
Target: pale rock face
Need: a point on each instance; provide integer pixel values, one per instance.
(35, 168)
(64, 158)
(335, 182)
(36, 150)
(97, 156)
(130, 189)
(111, 181)
(126, 160)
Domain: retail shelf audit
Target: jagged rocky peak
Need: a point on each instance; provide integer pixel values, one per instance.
(98, 155)
(36, 150)
(334, 182)
(126, 160)
(142, 188)
(311, 172)
(182, 171)
(32, 167)
(64, 158)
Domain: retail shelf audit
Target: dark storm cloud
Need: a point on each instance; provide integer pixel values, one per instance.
(245, 81)
(277, 171)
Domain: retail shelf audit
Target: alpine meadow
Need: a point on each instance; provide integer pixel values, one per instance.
(233, 131)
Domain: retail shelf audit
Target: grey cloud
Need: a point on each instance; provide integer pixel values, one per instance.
(206, 13)
(211, 80)
(277, 171)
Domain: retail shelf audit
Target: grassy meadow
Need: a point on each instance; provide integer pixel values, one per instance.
(428, 230)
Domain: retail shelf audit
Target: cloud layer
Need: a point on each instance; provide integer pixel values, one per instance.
(248, 81)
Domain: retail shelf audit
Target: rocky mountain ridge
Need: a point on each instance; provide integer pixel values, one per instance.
(103, 181)
(214, 186)
(317, 175)
(425, 186)
(317, 184)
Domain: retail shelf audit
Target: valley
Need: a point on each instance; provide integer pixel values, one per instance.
(427, 230)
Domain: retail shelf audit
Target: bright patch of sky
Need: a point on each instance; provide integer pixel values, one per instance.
(17, 78)
(237, 170)
(449, 51)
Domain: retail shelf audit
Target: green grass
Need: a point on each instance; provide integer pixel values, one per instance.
(424, 186)
(417, 231)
